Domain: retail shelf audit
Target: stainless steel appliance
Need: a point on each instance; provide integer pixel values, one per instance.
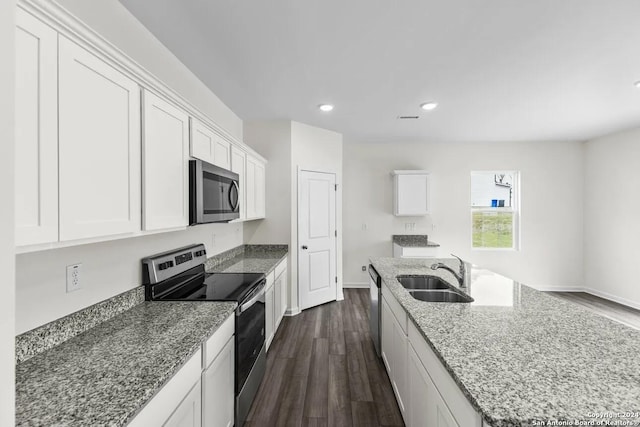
(179, 275)
(375, 291)
(213, 193)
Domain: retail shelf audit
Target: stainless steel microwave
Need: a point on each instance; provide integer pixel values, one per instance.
(213, 193)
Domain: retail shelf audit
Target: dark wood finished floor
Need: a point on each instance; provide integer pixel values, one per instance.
(618, 312)
(322, 370)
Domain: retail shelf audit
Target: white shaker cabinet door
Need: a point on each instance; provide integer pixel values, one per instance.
(165, 167)
(218, 389)
(189, 412)
(207, 145)
(99, 146)
(36, 132)
(269, 320)
(238, 165)
(255, 188)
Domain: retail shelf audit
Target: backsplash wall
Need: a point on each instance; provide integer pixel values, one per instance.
(108, 269)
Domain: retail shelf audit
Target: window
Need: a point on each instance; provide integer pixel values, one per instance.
(494, 210)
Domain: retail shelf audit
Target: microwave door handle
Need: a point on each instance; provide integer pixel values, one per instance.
(235, 207)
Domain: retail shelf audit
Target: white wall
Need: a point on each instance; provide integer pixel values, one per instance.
(550, 253)
(115, 23)
(290, 146)
(7, 263)
(108, 269)
(612, 225)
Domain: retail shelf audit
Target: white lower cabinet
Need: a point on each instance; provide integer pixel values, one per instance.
(218, 389)
(189, 412)
(269, 316)
(426, 393)
(276, 300)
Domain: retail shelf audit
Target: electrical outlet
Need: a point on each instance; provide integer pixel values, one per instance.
(364, 268)
(409, 226)
(364, 227)
(73, 277)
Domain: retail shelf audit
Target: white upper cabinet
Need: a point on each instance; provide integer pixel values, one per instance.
(165, 167)
(207, 145)
(36, 132)
(255, 188)
(238, 165)
(99, 146)
(411, 193)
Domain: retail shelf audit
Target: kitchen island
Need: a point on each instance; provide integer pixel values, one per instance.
(522, 357)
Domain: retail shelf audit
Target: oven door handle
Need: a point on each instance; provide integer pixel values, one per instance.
(247, 305)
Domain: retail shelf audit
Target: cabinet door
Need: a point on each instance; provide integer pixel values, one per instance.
(399, 382)
(218, 389)
(283, 294)
(255, 188)
(260, 190)
(387, 336)
(277, 302)
(221, 152)
(189, 412)
(165, 155)
(201, 138)
(412, 194)
(36, 132)
(269, 330)
(238, 165)
(99, 146)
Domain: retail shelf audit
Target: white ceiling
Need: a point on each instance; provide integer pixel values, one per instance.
(501, 70)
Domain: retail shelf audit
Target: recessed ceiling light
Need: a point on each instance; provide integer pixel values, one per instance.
(325, 107)
(637, 84)
(428, 106)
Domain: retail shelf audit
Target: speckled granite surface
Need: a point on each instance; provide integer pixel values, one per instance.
(414, 241)
(251, 259)
(104, 376)
(523, 357)
(48, 336)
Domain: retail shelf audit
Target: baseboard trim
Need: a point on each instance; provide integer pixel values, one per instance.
(559, 288)
(355, 285)
(294, 311)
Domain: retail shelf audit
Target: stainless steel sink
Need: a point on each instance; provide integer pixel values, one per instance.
(423, 282)
(440, 296)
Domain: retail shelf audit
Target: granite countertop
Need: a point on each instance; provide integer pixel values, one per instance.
(105, 375)
(251, 259)
(523, 357)
(414, 241)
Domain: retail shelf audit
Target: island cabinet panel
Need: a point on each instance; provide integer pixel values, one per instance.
(99, 146)
(426, 406)
(36, 132)
(451, 404)
(394, 352)
(165, 167)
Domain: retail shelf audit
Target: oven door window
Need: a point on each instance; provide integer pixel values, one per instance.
(249, 340)
(220, 194)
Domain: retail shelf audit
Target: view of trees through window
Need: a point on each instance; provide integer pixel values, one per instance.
(493, 212)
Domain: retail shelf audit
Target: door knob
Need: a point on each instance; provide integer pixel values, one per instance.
(304, 247)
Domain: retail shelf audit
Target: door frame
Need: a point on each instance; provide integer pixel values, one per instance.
(337, 207)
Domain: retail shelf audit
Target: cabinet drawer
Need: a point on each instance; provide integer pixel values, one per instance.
(396, 308)
(465, 414)
(217, 341)
(281, 268)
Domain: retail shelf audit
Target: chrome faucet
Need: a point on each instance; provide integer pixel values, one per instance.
(459, 275)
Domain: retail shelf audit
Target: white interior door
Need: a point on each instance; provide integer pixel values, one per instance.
(316, 238)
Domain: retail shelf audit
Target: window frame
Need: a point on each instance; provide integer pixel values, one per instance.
(515, 209)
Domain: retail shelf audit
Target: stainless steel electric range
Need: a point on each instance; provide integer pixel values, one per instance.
(179, 275)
